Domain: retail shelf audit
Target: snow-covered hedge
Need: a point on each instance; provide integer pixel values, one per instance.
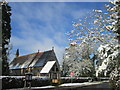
(82, 79)
(74, 80)
(9, 82)
(41, 81)
(12, 82)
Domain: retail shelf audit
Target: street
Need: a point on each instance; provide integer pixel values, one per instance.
(74, 86)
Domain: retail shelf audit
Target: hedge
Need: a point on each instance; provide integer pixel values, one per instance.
(73, 80)
(9, 82)
(18, 82)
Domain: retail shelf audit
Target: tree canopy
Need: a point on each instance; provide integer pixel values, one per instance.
(95, 35)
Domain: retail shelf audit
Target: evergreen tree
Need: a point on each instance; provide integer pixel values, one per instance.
(6, 34)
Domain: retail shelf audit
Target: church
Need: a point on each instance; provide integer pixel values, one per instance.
(39, 64)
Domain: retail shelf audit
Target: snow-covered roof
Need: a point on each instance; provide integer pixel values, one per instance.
(47, 67)
(30, 60)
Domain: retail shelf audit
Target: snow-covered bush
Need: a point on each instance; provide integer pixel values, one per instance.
(74, 79)
(12, 82)
(38, 82)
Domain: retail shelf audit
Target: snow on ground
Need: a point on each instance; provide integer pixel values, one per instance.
(26, 88)
(82, 84)
(44, 87)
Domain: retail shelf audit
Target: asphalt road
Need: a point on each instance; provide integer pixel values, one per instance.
(94, 86)
(102, 86)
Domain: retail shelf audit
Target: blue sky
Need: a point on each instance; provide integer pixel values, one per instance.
(42, 25)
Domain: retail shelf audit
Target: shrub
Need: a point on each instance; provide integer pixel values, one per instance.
(74, 80)
(9, 82)
(38, 82)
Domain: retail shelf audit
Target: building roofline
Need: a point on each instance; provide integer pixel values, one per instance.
(33, 53)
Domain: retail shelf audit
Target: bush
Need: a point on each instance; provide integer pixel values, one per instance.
(38, 82)
(114, 83)
(74, 80)
(9, 82)
(82, 79)
(115, 79)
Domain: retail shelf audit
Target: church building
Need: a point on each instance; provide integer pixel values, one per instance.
(39, 64)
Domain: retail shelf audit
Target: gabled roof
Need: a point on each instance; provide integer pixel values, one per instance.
(30, 60)
(47, 67)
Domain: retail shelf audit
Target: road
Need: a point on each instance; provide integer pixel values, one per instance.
(101, 86)
(75, 86)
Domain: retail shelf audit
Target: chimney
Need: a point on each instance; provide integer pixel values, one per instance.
(17, 53)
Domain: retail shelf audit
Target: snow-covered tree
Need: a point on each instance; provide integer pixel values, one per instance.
(110, 53)
(73, 62)
(84, 39)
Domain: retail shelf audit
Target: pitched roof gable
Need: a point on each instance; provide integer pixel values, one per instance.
(31, 60)
(47, 67)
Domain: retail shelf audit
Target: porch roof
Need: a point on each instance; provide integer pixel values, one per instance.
(47, 67)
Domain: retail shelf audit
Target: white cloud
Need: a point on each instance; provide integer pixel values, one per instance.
(41, 27)
(32, 45)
